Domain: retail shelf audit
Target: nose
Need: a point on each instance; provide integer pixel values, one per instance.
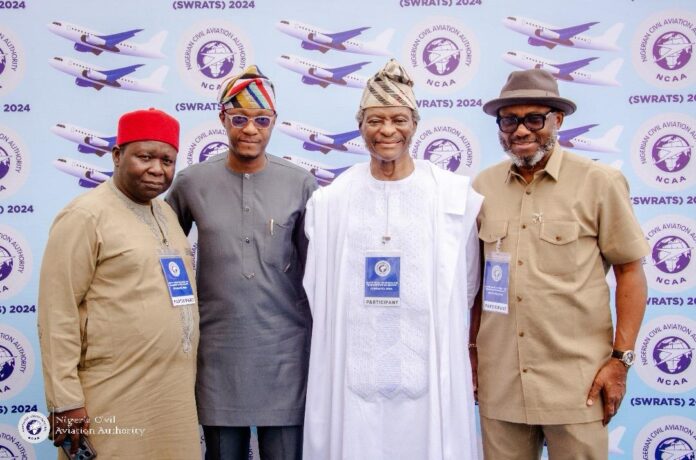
(249, 128)
(521, 131)
(156, 168)
(388, 128)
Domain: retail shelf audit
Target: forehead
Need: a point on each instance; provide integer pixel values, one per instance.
(523, 109)
(152, 147)
(249, 112)
(388, 112)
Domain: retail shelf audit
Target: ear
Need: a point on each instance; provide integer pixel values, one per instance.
(560, 116)
(116, 153)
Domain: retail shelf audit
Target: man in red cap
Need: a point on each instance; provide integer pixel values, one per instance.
(118, 318)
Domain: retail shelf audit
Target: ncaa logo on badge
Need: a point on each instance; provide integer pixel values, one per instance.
(443, 55)
(666, 360)
(662, 49)
(447, 144)
(16, 362)
(383, 268)
(669, 266)
(205, 141)
(11, 62)
(12, 446)
(15, 262)
(209, 53)
(670, 437)
(33, 427)
(662, 152)
(14, 162)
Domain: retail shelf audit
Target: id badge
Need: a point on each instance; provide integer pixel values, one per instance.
(177, 279)
(383, 279)
(496, 281)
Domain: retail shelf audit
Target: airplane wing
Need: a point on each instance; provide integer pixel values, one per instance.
(88, 84)
(315, 148)
(538, 42)
(87, 149)
(115, 39)
(87, 49)
(340, 72)
(568, 134)
(115, 74)
(573, 31)
(313, 81)
(569, 67)
(344, 137)
(314, 47)
(340, 37)
(88, 183)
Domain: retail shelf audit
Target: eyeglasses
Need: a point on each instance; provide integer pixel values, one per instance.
(240, 121)
(531, 121)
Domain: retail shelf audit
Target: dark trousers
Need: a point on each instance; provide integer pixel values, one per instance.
(232, 442)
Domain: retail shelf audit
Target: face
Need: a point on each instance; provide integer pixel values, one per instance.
(144, 169)
(248, 142)
(387, 131)
(527, 148)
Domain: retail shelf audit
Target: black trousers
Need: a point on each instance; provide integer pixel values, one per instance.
(232, 442)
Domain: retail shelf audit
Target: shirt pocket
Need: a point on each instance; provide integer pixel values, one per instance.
(491, 232)
(558, 248)
(278, 248)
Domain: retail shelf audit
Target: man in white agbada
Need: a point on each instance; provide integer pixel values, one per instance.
(392, 270)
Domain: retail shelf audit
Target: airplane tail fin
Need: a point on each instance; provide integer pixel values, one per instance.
(611, 70)
(156, 42)
(612, 35)
(382, 41)
(612, 136)
(156, 80)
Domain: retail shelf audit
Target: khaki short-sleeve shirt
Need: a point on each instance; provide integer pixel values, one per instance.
(563, 231)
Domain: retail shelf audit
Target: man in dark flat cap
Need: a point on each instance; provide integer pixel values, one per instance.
(541, 342)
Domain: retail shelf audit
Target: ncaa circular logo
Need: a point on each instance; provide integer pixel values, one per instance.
(16, 362)
(174, 269)
(12, 446)
(205, 141)
(662, 49)
(497, 273)
(666, 438)
(209, 53)
(442, 53)
(11, 62)
(669, 266)
(33, 427)
(15, 262)
(663, 152)
(447, 144)
(383, 268)
(666, 360)
(14, 162)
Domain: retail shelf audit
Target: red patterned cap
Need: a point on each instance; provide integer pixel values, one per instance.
(148, 125)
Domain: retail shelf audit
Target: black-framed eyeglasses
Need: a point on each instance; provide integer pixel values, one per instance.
(240, 121)
(531, 121)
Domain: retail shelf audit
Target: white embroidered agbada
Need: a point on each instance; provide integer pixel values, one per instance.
(392, 382)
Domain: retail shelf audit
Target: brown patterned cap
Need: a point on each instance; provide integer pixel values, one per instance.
(390, 87)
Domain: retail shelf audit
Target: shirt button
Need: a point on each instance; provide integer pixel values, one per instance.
(519, 262)
(247, 240)
(524, 370)
(558, 238)
(247, 209)
(247, 175)
(521, 334)
(528, 192)
(519, 299)
(524, 226)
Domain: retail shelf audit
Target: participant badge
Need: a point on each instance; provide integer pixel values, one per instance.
(383, 279)
(496, 280)
(177, 279)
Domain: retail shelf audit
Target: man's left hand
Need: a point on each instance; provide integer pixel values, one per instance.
(611, 382)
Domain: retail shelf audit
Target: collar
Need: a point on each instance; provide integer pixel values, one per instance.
(552, 168)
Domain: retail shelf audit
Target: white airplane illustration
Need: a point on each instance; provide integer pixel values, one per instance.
(314, 73)
(93, 77)
(324, 174)
(314, 38)
(670, 51)
(568, 71)
(90, 176)
(541, 34)
(87, 141)
(573, 139)
(88, 41)
(317, 140)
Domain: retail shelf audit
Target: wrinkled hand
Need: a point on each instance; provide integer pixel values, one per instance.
(70, 423)
(473, 358)
(611, 381)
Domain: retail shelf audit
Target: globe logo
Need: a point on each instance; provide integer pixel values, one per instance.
(4, 162)
(441, 56)
(215, 59)
(212, 149)
(671, 254)
(6, 262)
(3, 62)
(444, 153)
(33, 427)
(672, 355)
(7, 453)
(174, 269)
(674, 449)
(383, 268)
(7, 363)
(671, 153)
(672, 50)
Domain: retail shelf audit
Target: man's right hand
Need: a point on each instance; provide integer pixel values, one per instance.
(70, 423)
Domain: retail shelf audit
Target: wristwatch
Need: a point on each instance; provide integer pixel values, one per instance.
(626, 357)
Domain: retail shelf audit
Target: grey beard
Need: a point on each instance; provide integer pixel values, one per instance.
(530, 162)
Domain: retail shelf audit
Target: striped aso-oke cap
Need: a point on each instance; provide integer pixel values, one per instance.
(390, 87)
(248, 90)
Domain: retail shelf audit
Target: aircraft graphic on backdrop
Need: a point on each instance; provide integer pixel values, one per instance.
(573, 139)
(541, 34)
(90, 176)
(317, 140)
(87, 141)
(88, 41)
(314, 73)
(314, 38)
(93, 77)
(323, 173)
(568, 71)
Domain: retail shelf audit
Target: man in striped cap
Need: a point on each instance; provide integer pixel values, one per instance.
(392, 269)
(249, 209)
